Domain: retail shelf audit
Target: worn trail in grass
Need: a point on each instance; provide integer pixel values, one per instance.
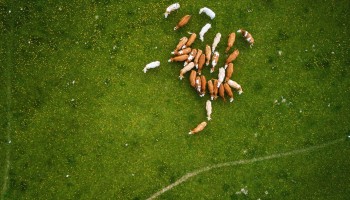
(240, 162)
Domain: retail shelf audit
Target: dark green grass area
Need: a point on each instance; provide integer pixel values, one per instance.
(85, 122)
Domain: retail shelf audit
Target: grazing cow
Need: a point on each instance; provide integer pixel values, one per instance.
(196, 59)
(209, 109)
(199, 128)
(231, 40)
(179, 58)
(215, 88)
(182, 51)
(183, 21)
(204, 85)
(214, 61)
(198, 84)
(229, 72)
(231, 57)
(201, 63)
(191, 56)
(222, 92)
(247, 36)
(151, 65)
(211, 89)
(207, 11)
(190, 40)
(171, 8)
(207, 54)
(228, 91)
(203, 31)
(186, 69)
(216, 42)
(193, 78)
(181, 43)
(221, 76)
(235, 86)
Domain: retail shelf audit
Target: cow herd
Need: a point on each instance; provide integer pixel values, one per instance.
(194, 61)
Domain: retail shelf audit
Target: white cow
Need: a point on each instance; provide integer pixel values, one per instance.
(171, 8)
(203, 31)
(235, 86)
(207, 11)
(209, 109)
(221, 76)
(216, 42)
(151, 65)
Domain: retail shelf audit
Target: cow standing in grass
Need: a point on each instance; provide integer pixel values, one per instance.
(198, 128)
(209, 109)
(151, 66)
(187, 68)
(171, 8)
(231, 41)
(207, 54)
(247, 36)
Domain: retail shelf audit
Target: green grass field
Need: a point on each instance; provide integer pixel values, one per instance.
(80, 120)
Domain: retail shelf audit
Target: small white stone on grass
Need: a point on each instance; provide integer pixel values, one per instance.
(243, 190)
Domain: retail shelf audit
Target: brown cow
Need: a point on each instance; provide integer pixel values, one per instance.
(204, 86)
(216, 89)
(207, 54)
(191, 56)
(201, 63)
(199, 53)
(181, 43)
(179, 58)
(247, 36)
(222, 92)
(211, 89)
(198, 84)
(199, 128)
(229, 71)
(231, 57)
(183, 21)
(190, 40)
(214, 61)
(231, 40)
(181, 52)
(193, 78)
(228, 91)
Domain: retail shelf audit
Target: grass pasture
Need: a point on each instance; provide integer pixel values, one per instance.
(80, 120)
